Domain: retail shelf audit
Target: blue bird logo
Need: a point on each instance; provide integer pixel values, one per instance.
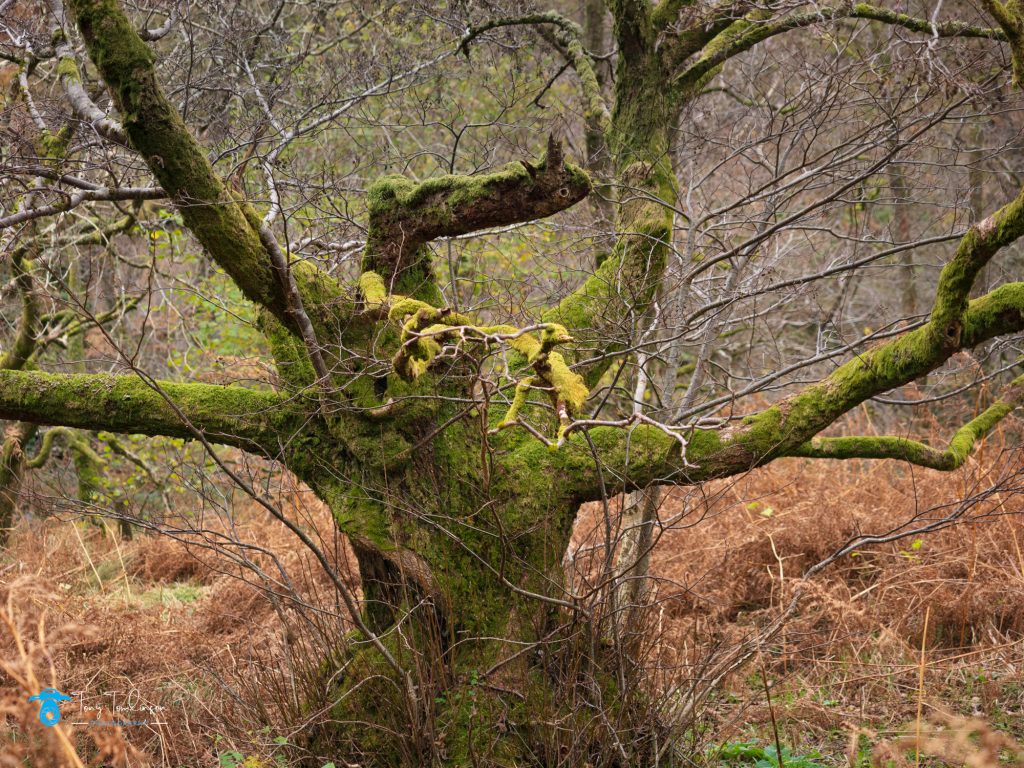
(49, 705)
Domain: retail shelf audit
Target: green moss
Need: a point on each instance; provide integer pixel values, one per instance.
(889, 447)
(375, 293)
(518, 401)
(291, 358)
(977, 247)
(869, 447)
(472, 720)
(361, 517)
(405, 215)
(228, 414)
(996, 313)
(327, 304)
(67, 68)
(442, 196)
(569, 386)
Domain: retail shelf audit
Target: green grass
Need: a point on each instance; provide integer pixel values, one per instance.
(748, 753)
(170, 595)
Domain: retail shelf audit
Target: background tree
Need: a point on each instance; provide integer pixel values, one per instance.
(454, 421)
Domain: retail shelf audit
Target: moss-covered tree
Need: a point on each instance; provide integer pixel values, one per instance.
(459, 507)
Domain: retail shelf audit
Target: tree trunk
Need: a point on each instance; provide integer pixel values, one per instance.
(12, 471)
(460, 560)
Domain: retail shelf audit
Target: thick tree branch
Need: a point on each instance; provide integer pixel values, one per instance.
(227, 228)
(404, 215)
(634, 31)
(645, 453)
(679, 45)
(225, 414)
(891, 447)
(1010, 20)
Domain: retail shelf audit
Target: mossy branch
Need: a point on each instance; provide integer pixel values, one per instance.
(743, 34)
(74, 440)
(425, 329)
(1011, 22)
(405, 215)
(227, 228)
(226, 414)
(568, 38)
(890, 447)
(28, 326)
(976, 248)
(924, 26)
(955, 324)
(645, 453)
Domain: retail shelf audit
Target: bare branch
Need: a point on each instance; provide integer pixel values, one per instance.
(83, 196)
(71, 81)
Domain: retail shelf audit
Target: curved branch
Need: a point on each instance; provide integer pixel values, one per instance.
(71, 81)
(225, 414)
(28, 326)
(1011, 23)
(569, 41)
(890, 447)
(158, 33)
(75, 442)
(743, 34)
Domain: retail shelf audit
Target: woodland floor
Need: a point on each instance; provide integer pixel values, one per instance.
(848, 677)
